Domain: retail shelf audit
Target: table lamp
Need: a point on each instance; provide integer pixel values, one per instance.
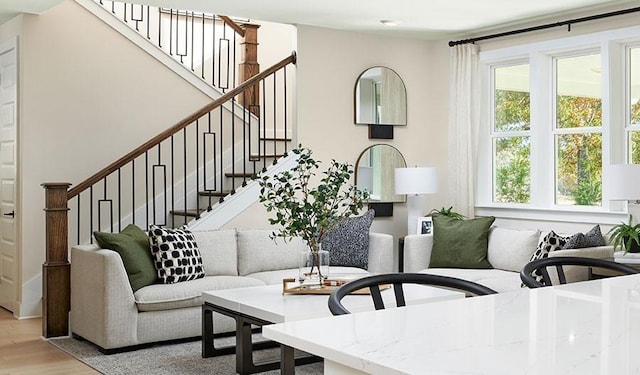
(415, 183)
(622, 182)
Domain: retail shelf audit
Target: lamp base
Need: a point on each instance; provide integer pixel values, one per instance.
(415, 209)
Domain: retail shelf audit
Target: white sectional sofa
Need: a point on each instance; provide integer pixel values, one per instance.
(105, 310)
(508, 251)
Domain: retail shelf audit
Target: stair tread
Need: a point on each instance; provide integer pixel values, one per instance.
(238, 174)
(276, 139)
(214, 193)
(189, 212)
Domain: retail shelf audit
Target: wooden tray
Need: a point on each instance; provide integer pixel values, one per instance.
(291, 286)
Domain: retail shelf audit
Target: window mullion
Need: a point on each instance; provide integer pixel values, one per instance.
(542, 150)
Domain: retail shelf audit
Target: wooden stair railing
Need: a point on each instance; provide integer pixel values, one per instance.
(204, 43)
(207, 158)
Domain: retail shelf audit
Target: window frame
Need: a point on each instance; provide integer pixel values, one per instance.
(613, 46)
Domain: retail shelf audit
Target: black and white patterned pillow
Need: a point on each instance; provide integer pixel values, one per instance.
(176, 254)
(551, 242)
(590, 239)
(348, 242)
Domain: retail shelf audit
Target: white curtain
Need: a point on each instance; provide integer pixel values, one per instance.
(464, 123)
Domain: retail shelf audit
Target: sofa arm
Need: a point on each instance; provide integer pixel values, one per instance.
(600, 252)
(417, 252)
(380, 253)
(103, 308)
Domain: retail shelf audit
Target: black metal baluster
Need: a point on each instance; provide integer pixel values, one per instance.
(234, 82)
(197, 159)
(119, 201)
(286, 114)
(160, 27)
(124, 13)
(264, 122)
(213, 55)
(193, 19)
(202, 64)
(133, 191)
(139, 19)
(171, 32)
(146, 174)
(173, 183)
(184, 163)
(78, 220)
(222, 181)
(275, 120)
(149, 21)
(90, 210)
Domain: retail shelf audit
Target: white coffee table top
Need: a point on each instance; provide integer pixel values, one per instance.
(590, 327)
(268, 303)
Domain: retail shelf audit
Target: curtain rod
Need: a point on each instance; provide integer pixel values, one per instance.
(546, 26)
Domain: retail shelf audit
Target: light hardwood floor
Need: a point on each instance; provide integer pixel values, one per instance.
(24, 351)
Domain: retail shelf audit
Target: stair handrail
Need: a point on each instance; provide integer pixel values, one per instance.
(291, 59)
(233, 24)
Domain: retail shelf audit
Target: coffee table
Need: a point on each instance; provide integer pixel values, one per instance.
(265, 305)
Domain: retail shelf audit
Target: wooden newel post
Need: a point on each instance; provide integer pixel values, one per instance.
(249, 67)
(56, 269)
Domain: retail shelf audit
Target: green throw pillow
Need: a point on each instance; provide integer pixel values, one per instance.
(133, 246)
(460, 243)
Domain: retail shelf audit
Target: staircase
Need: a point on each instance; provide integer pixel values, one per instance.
(194, 169)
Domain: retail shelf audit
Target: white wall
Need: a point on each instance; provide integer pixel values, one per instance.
(329, 62)
(82, 89)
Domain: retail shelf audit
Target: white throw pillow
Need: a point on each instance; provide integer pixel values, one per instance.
(511, 249)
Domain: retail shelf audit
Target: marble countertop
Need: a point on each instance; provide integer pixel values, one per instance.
(582, 328)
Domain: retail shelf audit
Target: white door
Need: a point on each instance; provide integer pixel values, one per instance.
(8, 127)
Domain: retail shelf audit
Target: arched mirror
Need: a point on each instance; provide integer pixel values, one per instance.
(375, 170)
(380, 98)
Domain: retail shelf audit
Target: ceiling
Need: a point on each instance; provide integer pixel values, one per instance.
(425, 19)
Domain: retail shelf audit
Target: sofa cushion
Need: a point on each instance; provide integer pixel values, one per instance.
(460, 243)
(592, 238)
(348, 242)
(132, 243)
(498, 280)
(186, 294)
(257, 251)
(511, 249)
(218, 251)
(176, 254)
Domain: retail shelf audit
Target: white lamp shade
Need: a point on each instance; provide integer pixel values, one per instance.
(418, 180)
(622, 182)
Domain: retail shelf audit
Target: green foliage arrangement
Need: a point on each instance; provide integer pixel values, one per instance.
(449, 212)
(627, 235)
(308, 211)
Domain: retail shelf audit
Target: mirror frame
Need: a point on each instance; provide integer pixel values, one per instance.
(383, 208)
(356, 95)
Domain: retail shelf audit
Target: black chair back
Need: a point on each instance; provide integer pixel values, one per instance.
(396, 280)
(535, 274)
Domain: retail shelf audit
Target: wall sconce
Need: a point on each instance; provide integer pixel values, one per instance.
(415, 183)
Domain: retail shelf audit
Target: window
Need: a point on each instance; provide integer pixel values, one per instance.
(554, 113)
(511, 139)
(578, 131)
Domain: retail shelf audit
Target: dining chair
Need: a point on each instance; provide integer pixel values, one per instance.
(376, 283)
(535, 274)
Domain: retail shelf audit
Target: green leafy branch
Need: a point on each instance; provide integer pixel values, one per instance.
(306, 211)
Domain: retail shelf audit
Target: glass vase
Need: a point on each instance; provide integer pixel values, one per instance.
(313, 267)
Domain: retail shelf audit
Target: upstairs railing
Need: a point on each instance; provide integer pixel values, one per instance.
(221, 51)
(168, 180)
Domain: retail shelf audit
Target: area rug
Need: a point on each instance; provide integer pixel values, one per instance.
(170, 359)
